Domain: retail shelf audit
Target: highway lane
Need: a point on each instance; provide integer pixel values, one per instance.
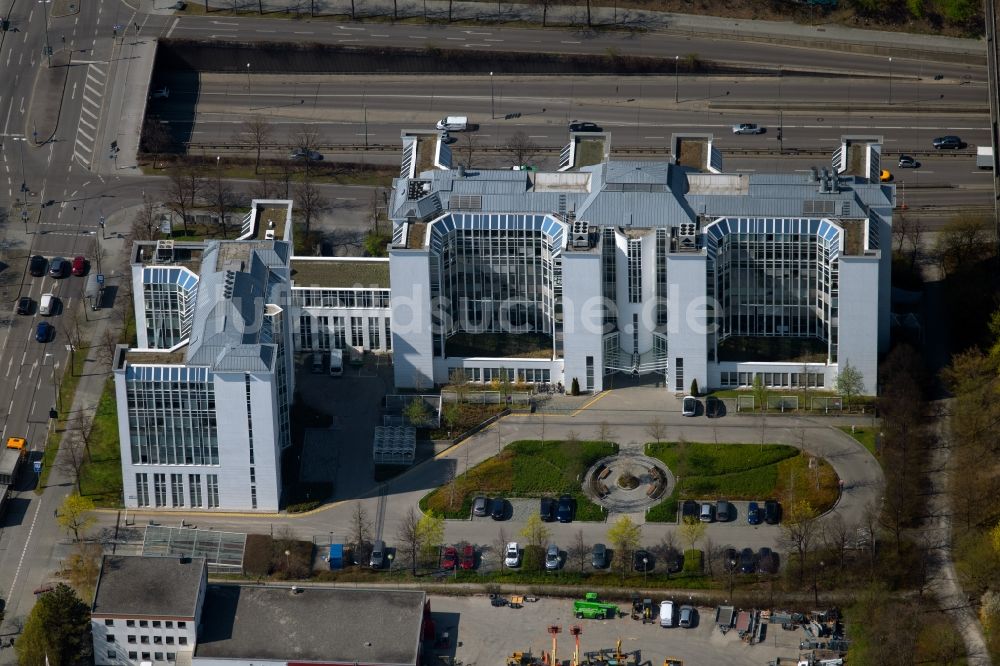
(508, 39)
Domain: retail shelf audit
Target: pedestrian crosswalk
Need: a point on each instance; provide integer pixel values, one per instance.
(90, 111)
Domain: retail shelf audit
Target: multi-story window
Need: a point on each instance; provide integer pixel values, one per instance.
(373, 333)
(339, 334)
(194, 489)
(661, 277)
(253, 496)
(177, 489)
(357, 332)
(388, 334)
(160, 489)
(635, 270)
(340, 298)
(305, 332)
(142, 492)
(169, 296)
(323, 333)
(171, 412)
(213, 491)
(609, 279)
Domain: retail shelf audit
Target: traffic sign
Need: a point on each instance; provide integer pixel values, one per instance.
(100, 278)
(38, 467)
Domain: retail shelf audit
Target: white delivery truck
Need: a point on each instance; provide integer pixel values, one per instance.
(984, 157)
(336, 362)
(453, 123)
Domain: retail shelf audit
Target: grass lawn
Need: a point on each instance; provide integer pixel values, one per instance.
(494, 345)
(742, 472)
(528, 468)
(101, 476)
(864, 435)
(858, 402)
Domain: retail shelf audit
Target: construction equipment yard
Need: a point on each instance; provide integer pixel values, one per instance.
(483, 634)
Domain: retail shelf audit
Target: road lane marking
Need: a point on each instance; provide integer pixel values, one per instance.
(172, 26)
(24, 552)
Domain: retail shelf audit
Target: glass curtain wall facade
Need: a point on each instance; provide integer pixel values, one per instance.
(169, 296)
(497, 273)
(774, 277)
(171, 412)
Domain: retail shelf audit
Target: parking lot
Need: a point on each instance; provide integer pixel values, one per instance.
(483, 635)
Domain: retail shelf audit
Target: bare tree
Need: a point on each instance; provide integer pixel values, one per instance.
(469, 146)
(256, 132)
(578, 551)
(604, 432)
(72, 459)
(798, 530)
(264, 188)
(185, 187)
(307, 140)
(500, 546)
(409, 537)
(222, 199)
(837, 538)
(309, 202)
(145, 219)
(361, 528)
(656, 430)
(545, 10)
(97, 254)
(82, 427)
(155, 137)
(521, 148)
(106, 346)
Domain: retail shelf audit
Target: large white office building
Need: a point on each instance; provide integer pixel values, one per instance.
(672, 267)
(203, 399)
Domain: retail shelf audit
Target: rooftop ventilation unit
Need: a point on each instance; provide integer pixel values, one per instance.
(580, 234)
(813, 175)
(687, 236)
(417, 189)
(230, 281)
(461, 171)
(164, 252)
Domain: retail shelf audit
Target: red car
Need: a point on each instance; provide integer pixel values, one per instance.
(450, 559)
(79, 265)
(468, 557)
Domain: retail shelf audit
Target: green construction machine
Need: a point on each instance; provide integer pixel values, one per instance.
(592, 609)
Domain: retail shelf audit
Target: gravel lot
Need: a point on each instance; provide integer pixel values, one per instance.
(482, 635)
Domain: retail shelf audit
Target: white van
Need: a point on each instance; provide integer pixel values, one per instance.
(453, 123)
(666, 613)
(47, 305)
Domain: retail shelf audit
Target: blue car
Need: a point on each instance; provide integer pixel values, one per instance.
(44, 331)
(753, 513)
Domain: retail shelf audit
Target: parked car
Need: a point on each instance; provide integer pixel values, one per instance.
(674, 560)
(305, 154)
(753, 513)
(642, 560)
(512, 555)
(907, 162)
(687, 617)
(772, 512)
(564, 512)
(747, 128)
(58, 267)
(377, 559)
(689, 406)
(599, 556)
(552, 559)
(747, 561)
(730, 559)
(707, 514)
(450, 558)
(767, 561)
(690, 509)
(37, 265)
(547, 509)
(948, 141)
(499, 509)
(24, 305)
(480, 506)
(468, 557)
(578, 126)
(44, 331)
(666, 613)
(79, 265)
(724, 511)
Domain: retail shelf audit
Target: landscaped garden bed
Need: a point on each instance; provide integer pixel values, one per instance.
(528, 468)
(742, 472)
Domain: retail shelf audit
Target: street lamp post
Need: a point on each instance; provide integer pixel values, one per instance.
(249, 91)
(20, 143)
(677, 81)
(890, 80)
(645, 568)
(493, 109)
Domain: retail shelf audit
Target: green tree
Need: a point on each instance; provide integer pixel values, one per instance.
(850, 383)
(535, 532)
(759, 392)
(57, 632)
(692, 531)
(430, 532)
(451, 413)
(74, 515)
(694, 387)
(624, 536)
(574, 387)
(417, 413)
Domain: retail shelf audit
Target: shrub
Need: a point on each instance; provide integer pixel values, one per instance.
(302, 507)
(693, 561)
(574, 387)
(534, 558)
(694, 387)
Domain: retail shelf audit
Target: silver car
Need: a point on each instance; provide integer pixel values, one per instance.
(552, 559)
(747, 128)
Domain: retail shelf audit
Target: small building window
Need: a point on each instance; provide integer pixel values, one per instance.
(110, 638)
(145, 656)
(182, 640)
(131, 639)
(158, 656)
(171, 656)
(133, 655)
(157, 640)
(156, 624)
(144, 640)
(182, 625)
(111, 655)
(143, 623)
(109, 623)
(169, 624)
(129, 623)
(170, 640)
